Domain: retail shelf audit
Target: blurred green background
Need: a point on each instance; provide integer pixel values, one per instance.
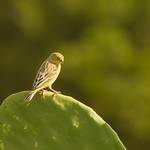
(106, 45)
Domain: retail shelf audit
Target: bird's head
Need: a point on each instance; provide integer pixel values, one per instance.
(56, 58)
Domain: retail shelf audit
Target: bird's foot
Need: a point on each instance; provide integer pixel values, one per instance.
(55, 92)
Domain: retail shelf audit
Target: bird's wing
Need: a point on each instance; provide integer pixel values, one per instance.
(45, 73)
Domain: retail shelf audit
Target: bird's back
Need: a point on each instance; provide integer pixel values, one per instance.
(46, 75)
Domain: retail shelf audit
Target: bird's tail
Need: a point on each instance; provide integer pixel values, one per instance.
(30, 95)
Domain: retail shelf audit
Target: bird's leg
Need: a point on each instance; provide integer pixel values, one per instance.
(41, 92)
(55, 92)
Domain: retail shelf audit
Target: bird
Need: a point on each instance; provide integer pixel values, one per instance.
(47, 74)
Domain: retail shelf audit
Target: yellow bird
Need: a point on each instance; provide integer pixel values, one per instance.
(47, 74)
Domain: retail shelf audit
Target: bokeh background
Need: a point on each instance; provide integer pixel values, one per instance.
(106, 45)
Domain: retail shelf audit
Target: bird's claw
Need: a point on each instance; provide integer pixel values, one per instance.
(57, 92)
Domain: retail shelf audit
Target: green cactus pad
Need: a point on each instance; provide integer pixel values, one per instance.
(53, 122)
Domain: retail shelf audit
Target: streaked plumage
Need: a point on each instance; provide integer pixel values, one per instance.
(47, 74)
